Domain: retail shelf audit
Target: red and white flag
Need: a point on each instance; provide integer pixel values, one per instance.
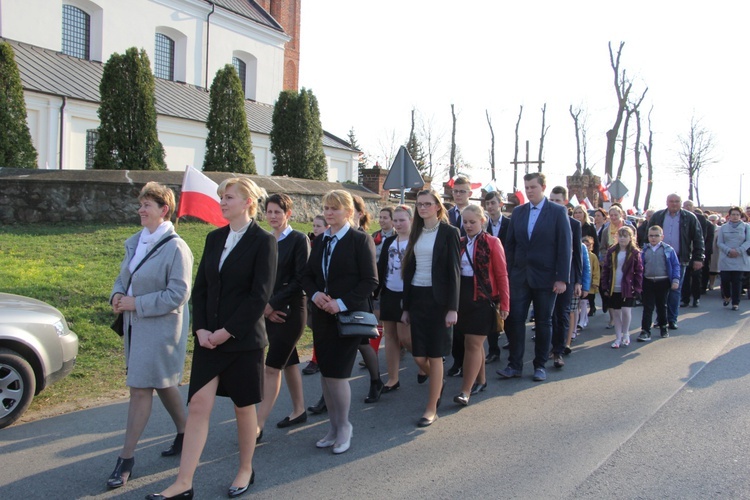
(199, 198)
(519, 195)
(588, 203)
(574, 201)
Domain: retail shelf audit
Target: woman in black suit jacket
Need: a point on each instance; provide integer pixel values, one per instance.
(285, 314)
(431, 280)
(232, 287)
(340, 276)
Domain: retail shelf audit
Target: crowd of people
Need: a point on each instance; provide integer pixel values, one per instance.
(441, 282)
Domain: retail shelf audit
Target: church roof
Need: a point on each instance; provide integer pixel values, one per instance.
(53, 73)
(249, 10)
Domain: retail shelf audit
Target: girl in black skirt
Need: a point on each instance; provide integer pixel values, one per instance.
(431, 272)
(285, 315)
(391, 292)
(484, 284)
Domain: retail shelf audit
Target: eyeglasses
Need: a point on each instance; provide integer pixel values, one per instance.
(426, 204)
(461, 191)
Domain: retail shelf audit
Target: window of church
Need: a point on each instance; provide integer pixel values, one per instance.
(241, 68)
(76, 32)
(164, 57)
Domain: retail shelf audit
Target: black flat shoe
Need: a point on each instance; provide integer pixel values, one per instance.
(187, 495)
(376, 388)
(477, 388)
(235, 491)
(259, 437)
(426, 422)
(176, 447)
(288, 422)
(421, 379)
(391, 388)
(123, 466)
(319, 407)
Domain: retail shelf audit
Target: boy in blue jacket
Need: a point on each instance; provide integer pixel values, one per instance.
(661, 271)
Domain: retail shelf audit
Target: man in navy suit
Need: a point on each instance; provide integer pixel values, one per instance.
(538, 251)
(497, 226)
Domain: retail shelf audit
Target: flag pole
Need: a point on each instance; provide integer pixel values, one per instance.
(184, 178)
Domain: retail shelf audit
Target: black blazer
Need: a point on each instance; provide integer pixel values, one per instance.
(235, 297)
(446, 269)
(576, 262)
(503, 229)
(293, 253)
(352, 276)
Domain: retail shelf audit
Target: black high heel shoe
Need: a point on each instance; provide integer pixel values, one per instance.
(123, 466)
(235, 491)
(176, 447)
(185, 495)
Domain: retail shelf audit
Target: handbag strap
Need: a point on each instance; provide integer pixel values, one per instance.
(149, 254)
(479, 282)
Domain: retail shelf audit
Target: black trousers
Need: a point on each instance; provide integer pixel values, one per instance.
(691, 285)
(655, 293)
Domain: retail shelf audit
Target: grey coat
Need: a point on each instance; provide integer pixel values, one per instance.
(155, 347)
(733, 238)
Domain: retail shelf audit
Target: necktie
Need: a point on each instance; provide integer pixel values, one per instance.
(328, 242)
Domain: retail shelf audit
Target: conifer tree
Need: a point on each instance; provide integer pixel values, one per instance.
(228, 145)
(128, 139)
(297, 136)
(16, 148)
(362, 160)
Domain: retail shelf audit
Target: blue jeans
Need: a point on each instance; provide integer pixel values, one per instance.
(521, 297)
(673, 301)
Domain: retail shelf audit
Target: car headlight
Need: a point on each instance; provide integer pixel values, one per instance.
(60, 328)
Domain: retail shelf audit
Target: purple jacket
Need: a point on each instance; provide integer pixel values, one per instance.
(632, 273)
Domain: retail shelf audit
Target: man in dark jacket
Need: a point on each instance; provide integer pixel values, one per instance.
(682, 231)
(691, 288)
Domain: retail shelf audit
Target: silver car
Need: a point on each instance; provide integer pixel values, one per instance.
(36, 349)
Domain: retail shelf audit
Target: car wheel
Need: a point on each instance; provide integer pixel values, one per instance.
(17, 386)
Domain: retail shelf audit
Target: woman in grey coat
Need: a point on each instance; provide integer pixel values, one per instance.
(733, 242)
(153, 296)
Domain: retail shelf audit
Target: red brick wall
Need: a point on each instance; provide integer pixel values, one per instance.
(287, 13)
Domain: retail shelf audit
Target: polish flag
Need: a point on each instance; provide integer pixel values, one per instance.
(199, 198)
(604, 192)
(519, 195)
(588, 203)
(574, 201)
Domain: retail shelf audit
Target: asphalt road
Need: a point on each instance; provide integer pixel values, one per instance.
(665, 419)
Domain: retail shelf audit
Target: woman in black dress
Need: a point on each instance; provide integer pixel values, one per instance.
(232, 287)
(285, 314)
(431, 278)
(340, 275)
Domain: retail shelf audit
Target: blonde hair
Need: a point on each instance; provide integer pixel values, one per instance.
(247, 189)
(161, 194)
(339, 198)
(586, 218)
(477, 211)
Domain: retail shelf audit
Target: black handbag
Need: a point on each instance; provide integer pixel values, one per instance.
(118, 325)
(357, 324)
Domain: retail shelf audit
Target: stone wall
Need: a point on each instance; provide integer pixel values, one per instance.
(110, 196)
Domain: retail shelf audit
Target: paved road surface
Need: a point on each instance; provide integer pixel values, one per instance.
(666, 419)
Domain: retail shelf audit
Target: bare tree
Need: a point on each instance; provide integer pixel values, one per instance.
(696, 152)
(431, 141)
(637, 158)
(648, 148)
(388, 147)
(624, 146)
(544, 134)
(492, 144)
(515, 155)
(576, 116)
(622, 89)
(452, 171)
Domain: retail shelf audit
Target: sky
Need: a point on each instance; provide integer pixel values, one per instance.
(371, 63)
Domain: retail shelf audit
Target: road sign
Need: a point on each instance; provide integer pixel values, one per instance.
(403, 173)
(617, 189)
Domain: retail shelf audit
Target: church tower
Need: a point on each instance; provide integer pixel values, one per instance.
(287, 14)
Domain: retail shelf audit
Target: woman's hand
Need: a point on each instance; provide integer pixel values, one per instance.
(267, 311)
(504, 315)
(116, 303)
(203, 341)
(277, 317)
(451, 318)
(219, 337)
(126, 303)
(332, 307)
(320, 299)
(405, 318)
(733, 253)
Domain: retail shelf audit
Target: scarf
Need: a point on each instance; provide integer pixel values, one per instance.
(481, 265)
(146, 242)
